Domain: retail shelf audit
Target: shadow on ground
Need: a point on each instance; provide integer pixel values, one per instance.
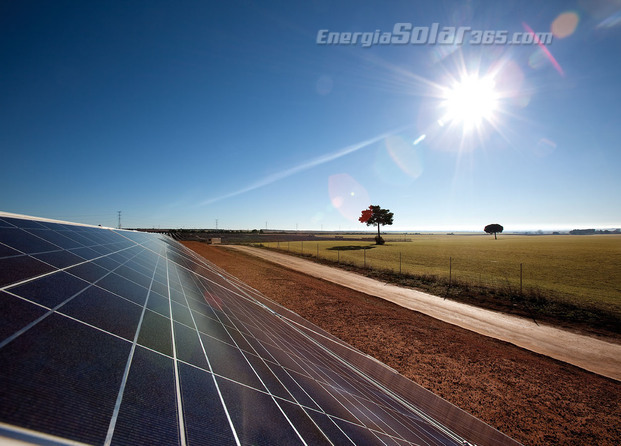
(349, 248)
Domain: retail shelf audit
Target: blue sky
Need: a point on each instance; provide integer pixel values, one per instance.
(181, 114)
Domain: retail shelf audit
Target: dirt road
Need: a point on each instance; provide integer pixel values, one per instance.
(586, 352)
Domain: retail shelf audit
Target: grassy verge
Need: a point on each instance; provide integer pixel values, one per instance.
(539, 305)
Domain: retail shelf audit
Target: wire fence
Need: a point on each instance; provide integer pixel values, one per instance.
(514, 276)
(531, 283)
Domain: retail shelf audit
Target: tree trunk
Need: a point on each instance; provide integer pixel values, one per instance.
(495, 238)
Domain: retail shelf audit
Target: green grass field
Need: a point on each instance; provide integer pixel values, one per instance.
(585, 270)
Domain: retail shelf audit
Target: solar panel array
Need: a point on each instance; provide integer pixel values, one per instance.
(121, 337)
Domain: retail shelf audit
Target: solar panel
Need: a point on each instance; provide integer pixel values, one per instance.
(120, 337)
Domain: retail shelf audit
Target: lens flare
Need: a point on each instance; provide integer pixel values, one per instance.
(347, 195)
(544, 147)
(565, 25)
(543, 48)
(420, 139)
(324, 85)
(406, 157)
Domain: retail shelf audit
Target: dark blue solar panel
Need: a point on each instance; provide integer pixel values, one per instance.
(158, 304)
(24, 241)
(88, 271)
(106, 311)
(119, 337)
(18, 268)
(50, 290)
(206, 421)
(56, 237)
(59, 259)
(261, 421)
(60, 371)
(148, 413)
(124, 287)
(24, 223)
(5, 251)
(16, 313)
(189, 346)
(155, 333)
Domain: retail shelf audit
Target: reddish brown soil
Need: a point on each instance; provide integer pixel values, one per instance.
(532, 398)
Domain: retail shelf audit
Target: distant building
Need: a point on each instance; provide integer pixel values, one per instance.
(214, 240)
(582, 232)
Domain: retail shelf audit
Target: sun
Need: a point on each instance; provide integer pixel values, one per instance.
(470, 102)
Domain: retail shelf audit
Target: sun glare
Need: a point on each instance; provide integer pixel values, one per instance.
(471, 101)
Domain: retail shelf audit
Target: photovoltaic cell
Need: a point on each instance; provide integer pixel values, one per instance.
(18, 268)
(16, 313)
(50, 290)
(58, 372)
(206, 421)
(155, 333)
(24, 241)
(120, 337)
(148, 412)
(104, 310)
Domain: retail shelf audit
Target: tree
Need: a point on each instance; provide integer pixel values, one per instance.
(376, 216)
(494, 228)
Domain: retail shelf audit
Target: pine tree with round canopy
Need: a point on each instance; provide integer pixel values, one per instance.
(494, 228)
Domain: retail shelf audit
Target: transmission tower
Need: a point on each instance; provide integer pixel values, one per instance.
(119, 226)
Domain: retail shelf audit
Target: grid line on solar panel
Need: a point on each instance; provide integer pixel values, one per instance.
(16, 313)
(209, 365)
(348, 409)
(353, 406)
(207, 423)
(259, 376)
(8, 252)
(119, 399)
(147, 412)
(190, 363)
(52, 271)
(175, 364)
(210, 318)
(15, 270)
(274, 375)
(48, 241)
(25, 242)
(52, 399)
(52, 308)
